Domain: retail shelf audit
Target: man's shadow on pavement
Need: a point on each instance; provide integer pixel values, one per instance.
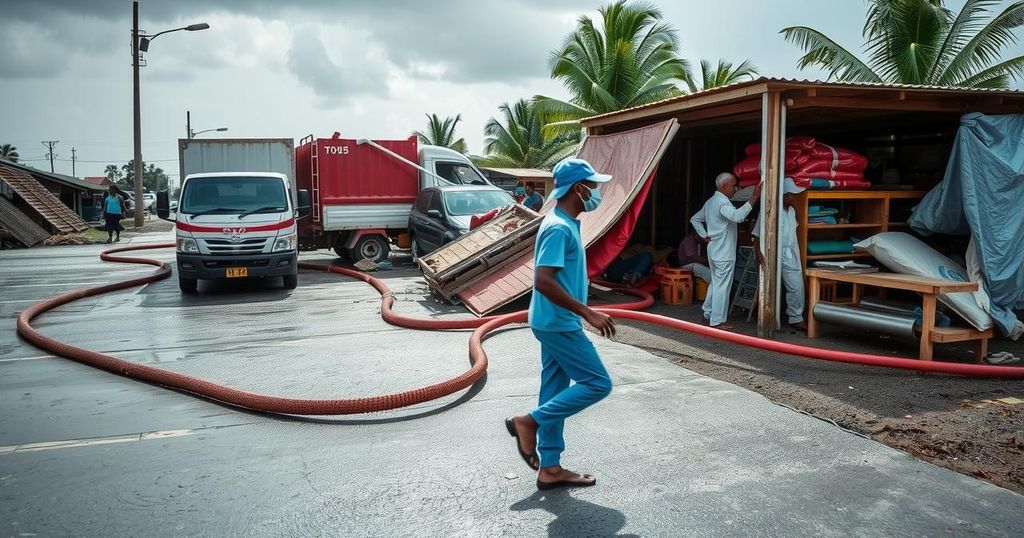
(574, 517)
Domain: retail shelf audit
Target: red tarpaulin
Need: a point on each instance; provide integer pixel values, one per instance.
(602, 253)
(630, 157)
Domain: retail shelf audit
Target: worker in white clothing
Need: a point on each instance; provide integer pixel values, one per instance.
(792, 271)
(715, 224)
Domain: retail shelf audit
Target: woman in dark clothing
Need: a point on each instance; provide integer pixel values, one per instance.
(113, 212)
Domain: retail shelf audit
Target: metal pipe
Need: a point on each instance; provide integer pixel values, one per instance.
(387, 151)
(891, 307)
(861, 318)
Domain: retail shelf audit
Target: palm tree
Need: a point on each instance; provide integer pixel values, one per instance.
(442, 133)
(9, 152)
(721, 75)
(922, 42)
(113, 173)
(520, 142)
(631, 60)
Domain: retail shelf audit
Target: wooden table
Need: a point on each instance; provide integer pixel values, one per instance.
(929, 288)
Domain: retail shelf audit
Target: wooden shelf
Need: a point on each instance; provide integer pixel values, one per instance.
(871, 211)
(842, 226)
(862, 195)
(811, 257)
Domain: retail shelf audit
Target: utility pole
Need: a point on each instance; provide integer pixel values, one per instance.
(73, 162)
(188, 124)
(140, 219)
(49, 155)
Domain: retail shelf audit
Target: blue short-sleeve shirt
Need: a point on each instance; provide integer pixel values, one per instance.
(113, 205)
(533, 199)
(559, 245)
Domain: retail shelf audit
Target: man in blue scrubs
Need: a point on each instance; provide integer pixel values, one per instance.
(558, 308)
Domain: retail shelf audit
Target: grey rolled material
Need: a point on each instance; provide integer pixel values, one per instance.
(861, 318)
(890, 307)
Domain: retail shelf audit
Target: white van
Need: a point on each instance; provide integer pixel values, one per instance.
(236, 225)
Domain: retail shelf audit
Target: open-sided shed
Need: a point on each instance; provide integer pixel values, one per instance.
(905, 130)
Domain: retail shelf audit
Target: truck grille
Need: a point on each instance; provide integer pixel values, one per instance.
(246, 246)
(221, 264)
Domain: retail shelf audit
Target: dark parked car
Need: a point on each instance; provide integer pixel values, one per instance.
(441, 214)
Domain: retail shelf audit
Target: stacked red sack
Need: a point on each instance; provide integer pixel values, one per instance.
(807, 160)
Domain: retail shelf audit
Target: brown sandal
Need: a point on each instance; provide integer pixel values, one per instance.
(531, 459)
(566, 483)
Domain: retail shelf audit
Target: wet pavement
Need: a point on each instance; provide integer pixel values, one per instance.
(85, 452)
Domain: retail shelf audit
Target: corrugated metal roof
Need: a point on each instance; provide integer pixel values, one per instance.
(60, 216)
(814, 83)
(18, 225)
(59, 178)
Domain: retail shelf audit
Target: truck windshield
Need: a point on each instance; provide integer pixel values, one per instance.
(459, 173)
(233, 195)
(462, 203)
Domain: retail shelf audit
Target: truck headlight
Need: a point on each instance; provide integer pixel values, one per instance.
(187, 244)
(285, 243)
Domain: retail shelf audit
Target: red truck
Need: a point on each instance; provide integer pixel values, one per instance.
(362, 190)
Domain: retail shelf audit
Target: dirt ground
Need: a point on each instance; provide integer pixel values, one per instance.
(951, 421)
(152, 224)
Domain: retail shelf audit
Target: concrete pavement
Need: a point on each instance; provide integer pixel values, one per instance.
(676, 453)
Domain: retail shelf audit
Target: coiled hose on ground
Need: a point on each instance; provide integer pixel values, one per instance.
(478, 357)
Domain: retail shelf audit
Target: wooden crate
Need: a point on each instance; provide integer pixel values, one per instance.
(486, 248)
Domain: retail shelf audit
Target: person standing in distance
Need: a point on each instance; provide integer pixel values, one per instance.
(113, 212)
(558, 308)
(716, 225)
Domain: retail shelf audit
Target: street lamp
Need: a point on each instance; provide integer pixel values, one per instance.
(192, 134)
(189, 133)
(140, 43)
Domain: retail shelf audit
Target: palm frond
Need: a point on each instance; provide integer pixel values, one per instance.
(1001, 72)
(822, 51)
(610, 67)
(969, 20)
(442, 132)
(985, 48)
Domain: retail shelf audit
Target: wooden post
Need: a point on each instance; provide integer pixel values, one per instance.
(654, 212)
(772, 145)
(927, 324)
(689, 186)
(813, 293)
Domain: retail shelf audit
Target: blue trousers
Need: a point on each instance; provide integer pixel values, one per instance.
(565, 356)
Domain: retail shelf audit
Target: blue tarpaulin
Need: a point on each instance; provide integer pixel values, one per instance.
(982, 194)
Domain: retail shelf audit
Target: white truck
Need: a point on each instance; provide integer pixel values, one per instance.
(238, 211)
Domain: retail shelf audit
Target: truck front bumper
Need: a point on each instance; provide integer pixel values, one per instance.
(208, 267)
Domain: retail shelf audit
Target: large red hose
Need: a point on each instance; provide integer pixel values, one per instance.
(264, 402)
(478, 357)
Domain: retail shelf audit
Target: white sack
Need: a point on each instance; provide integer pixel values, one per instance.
(906, 254)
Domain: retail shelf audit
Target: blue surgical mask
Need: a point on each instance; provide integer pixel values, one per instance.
(591, 203)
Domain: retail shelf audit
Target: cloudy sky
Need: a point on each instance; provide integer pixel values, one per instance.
(273, 68)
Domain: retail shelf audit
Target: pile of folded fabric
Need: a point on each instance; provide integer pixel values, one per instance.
(811, 164)
(817, 214)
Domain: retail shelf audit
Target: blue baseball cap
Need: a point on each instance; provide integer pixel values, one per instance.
(570, 172)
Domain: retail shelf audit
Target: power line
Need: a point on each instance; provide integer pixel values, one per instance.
(108, 161)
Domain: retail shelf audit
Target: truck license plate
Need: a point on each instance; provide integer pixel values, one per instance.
(236, 272)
